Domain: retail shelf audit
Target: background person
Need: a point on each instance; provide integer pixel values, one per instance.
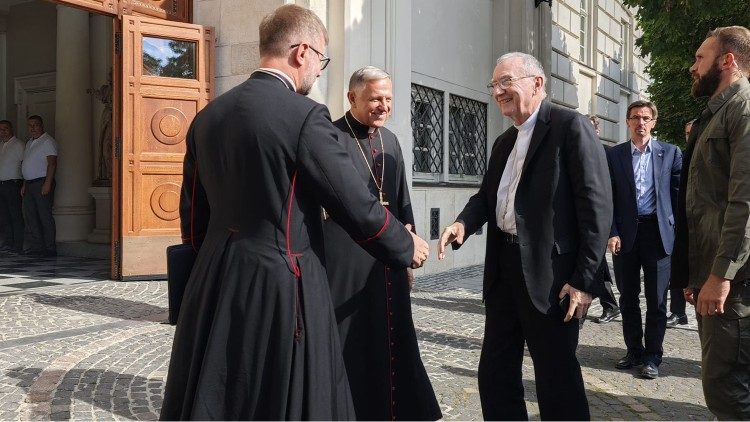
(11, 181)
(38, 169)
(645, 176)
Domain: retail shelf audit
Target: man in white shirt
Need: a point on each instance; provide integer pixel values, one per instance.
(38, 169)
(548, 202)
(11, 216)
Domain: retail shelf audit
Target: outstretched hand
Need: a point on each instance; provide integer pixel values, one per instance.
(453, 233)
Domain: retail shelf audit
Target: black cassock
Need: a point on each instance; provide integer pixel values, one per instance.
(256, 336)
(372, 301)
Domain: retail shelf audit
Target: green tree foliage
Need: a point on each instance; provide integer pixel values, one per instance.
(672, 31)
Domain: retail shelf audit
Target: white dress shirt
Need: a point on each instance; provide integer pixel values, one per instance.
(11, 155)
(34, 164)
(506, 191)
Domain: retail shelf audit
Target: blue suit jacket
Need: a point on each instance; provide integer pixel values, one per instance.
(666, 165)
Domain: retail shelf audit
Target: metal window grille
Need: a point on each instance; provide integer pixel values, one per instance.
(467, 136)
(434, 223)
(427, 129)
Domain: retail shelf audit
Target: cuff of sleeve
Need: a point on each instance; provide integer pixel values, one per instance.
(725, 268)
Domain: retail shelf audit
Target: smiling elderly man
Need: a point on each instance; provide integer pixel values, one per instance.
(548, 201)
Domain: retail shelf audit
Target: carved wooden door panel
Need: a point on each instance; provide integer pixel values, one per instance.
(108, 7)
(174, 10)
(167, 77)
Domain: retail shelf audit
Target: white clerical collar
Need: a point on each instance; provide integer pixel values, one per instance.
(279, 74)
(370, 129)
(530, 122)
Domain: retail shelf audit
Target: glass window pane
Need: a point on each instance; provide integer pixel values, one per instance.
(168, 58)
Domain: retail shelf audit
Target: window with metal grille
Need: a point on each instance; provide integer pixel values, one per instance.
(467, 136)
(427, 129)
(434, 223)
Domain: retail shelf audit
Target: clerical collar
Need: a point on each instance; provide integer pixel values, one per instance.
(360, 129)
(530, 122)
(279, 74)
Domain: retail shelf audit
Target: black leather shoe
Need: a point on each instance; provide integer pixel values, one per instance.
(607, 316)
(628, 361)
(649, 371)
(675, 320)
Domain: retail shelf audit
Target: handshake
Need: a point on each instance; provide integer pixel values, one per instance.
(452, 233)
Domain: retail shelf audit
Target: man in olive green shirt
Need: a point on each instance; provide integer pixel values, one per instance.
(710, 258)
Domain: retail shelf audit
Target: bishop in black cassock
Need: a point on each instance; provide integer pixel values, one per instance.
(373, 307)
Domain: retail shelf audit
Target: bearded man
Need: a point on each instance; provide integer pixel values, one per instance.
(710, 259)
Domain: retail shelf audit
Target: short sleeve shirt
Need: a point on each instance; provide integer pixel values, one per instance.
(11, 154)
(34, 163)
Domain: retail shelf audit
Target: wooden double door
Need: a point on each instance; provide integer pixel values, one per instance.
(163, 75)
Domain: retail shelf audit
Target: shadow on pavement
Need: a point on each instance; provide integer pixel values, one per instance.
(465, 305)
(450, 340)
(605, 357)
(125, 395)
(609, 406)
(106, 306)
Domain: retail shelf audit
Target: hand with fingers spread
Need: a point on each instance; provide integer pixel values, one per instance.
(579, 302)
(421, 249)
(453, 233)
(712, 296)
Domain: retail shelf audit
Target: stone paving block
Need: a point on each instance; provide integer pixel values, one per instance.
(116, 356)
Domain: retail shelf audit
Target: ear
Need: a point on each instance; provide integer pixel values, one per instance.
(350, 96)
(298, 57)
(729, 61)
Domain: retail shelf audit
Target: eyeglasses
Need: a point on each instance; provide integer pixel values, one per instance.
(505, 83)
(324, 60)
(643, 119)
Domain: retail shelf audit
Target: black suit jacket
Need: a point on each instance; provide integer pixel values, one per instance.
(563, 206)
(666, 166)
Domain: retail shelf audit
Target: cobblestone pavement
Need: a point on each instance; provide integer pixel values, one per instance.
(100, 350)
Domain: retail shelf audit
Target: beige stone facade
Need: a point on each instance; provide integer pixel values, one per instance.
(440, 54)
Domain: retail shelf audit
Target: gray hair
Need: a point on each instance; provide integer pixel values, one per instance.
(366, 74)
(288, 25)
(530, 64)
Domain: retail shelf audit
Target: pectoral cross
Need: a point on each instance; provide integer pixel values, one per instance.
(383, 202)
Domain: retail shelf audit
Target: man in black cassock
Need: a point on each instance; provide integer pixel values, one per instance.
(373, 308)
(256, 337)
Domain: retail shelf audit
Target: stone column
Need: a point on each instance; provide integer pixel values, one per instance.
(101, 67)
(73, 208)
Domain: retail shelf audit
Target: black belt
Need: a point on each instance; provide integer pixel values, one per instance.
(509, 238)
(11, 181)
(646, 218)
(38, 179)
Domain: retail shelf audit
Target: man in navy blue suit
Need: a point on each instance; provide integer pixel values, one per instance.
(645, 177)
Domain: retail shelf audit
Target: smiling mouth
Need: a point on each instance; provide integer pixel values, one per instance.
(504, 100)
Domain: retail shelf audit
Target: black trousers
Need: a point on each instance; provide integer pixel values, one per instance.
(38, 211)
(677, 302)
(511, 320)
(11, 215)
(647, 254)
(604, 279)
